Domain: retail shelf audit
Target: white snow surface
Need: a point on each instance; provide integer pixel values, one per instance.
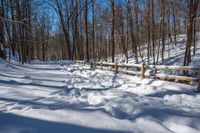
(65, 97)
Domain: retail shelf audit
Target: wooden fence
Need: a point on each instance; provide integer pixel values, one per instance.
(142, 68)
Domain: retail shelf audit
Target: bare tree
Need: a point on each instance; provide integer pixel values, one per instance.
(113, 29)
(192, 9)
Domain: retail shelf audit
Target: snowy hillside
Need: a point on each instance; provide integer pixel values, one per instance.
(173, 55)
(43, 90)
(65, 97)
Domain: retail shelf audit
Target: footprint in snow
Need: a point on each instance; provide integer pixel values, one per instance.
(74, 92)
(14, 107)
(117, 113)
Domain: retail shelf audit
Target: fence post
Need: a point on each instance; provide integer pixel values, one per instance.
(91, 64)
(198, 89)
(101, 65)
(142, 72)
(116, 68)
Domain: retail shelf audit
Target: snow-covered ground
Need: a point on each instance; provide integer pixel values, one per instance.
(60, 97)
(64, 97)
(173, 55)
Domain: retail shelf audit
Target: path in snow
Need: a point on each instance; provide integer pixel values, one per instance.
(69, 98)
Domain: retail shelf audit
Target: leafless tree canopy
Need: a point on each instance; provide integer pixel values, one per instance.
(95, 29)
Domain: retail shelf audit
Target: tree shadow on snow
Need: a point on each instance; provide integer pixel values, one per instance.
(19, 124)
(16, 83)
(164, 113)
(171, 92)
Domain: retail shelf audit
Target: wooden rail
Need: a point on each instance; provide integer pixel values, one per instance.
(161, 67)
(143, 68)
(80, 62)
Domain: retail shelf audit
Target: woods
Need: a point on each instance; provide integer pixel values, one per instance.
(96, 30)
(99, 66)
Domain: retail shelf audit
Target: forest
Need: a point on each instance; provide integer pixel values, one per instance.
(99, 66)
(95, 29)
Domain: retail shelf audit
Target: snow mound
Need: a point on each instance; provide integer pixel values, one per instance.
(64, 97)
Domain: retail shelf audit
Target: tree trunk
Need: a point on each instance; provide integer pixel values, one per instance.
(113, 30)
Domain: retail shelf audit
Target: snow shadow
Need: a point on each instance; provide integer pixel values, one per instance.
(170, 93)
(35, 104)
(19, 66)
(11, 123)
(16, 83)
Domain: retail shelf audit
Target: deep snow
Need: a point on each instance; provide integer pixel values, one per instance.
(60, 97)
(69, 98)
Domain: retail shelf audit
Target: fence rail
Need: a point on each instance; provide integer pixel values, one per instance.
(143, 68)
